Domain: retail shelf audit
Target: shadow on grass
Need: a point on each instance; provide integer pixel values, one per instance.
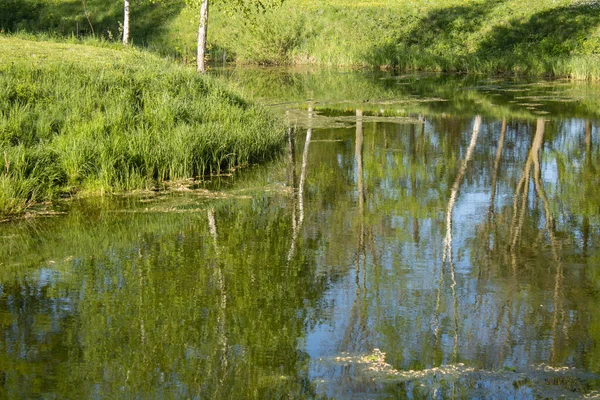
(557, 32)
(437, 40)
(457, 39)
(67, 18)
(447, 28)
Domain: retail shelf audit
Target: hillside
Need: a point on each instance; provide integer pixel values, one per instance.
(545, 37)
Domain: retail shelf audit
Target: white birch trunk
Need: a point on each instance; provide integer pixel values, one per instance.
(126, 22)
(202, 33)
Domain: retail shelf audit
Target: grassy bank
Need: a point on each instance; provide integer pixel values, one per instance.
(85, 119)
(542, 37)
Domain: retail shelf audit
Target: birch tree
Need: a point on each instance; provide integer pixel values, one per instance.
(125, 21)
(248, 7)
(126, 16)
(202, 35)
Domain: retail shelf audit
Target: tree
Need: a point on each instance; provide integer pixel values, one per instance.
(125, 21)
(248, 7)
(202, 34)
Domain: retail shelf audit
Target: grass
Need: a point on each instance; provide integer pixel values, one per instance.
(545, 37)
(81, 119)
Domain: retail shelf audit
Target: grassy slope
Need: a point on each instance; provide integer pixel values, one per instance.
(554, 37)
(76, 118)
(541, 37)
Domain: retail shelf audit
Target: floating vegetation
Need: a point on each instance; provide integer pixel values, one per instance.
(530, 104)
(374, 363)
(344, 117)
(542, 380)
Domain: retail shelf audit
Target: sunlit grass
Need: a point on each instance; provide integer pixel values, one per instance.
(543, 38)
(77, 119)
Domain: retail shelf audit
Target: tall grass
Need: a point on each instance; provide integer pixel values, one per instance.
(78, 119)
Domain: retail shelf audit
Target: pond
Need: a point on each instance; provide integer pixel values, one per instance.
(419, 237)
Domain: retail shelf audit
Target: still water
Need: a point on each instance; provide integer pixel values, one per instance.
(419, 237)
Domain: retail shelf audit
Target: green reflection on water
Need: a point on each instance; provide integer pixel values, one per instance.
(455, 95)
(156, 305)
(427, 254)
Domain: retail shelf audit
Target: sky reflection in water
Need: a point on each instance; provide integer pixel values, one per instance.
(440, 241)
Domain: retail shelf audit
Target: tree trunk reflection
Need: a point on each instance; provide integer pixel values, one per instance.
(496, 167)
(589, 172)
(357, 332)
(222, 302)
(297, 223)
(447, 253)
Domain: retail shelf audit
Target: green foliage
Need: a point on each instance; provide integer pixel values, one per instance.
(75, 117)
(270, 39)
(248, 7)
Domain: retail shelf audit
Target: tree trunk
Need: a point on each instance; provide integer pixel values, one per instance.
(126, 22)
(87, 16)
(202, 32)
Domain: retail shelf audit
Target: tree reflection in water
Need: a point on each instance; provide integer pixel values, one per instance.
(403, 255)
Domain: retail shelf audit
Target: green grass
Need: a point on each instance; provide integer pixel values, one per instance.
(543, 37)
(81, 119)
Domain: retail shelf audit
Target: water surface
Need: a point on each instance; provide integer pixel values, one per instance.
(420, 237)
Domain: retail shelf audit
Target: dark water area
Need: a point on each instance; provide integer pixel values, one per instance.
(419, 237)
